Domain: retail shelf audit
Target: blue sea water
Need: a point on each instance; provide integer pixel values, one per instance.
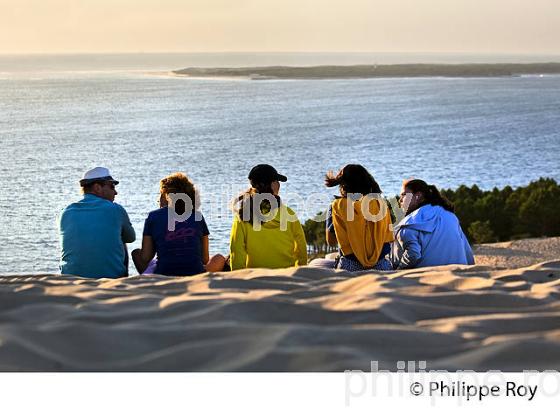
(56, 123)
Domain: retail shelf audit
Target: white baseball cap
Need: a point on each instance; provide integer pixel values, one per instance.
(97, 174)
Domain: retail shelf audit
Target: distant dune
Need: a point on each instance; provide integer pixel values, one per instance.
(373, 71)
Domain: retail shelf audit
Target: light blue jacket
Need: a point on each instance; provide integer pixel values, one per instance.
(92, 235)
(430, 236)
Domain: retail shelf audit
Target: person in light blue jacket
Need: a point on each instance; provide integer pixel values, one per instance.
(430, 233)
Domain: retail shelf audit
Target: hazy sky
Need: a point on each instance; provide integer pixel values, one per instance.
(481, 26)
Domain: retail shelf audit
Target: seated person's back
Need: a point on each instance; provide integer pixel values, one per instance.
(179, 252)
(430, 234)
(270, 246)
(176, 233)
(93, 230)
(265, 233)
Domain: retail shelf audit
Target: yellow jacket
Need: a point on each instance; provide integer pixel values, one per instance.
(271, 246)
(362, 237)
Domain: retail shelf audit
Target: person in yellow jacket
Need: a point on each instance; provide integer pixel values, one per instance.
(265, 232)
(359, 221)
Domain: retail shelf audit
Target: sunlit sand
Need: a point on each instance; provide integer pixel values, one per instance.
(453, 317)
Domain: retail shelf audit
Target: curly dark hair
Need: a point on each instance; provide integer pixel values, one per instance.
(179, 183)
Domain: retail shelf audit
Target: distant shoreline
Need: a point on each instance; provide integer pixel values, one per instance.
(373, 71)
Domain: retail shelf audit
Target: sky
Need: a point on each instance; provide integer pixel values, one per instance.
(449, 26)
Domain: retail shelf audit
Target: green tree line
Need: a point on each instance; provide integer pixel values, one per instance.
(505, 214)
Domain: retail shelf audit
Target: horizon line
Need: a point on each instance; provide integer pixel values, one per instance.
(485, 53)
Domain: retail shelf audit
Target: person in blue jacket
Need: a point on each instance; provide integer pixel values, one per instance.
(430, 233)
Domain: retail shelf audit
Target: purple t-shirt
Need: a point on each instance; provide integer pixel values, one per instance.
(179, 252)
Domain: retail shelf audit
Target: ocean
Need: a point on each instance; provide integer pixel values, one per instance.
(61, 115)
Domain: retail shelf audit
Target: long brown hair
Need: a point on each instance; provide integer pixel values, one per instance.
(353, 179)
(245, 201)
(431, 194)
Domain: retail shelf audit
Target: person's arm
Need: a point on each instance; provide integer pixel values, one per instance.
(143, 256)
(205, 249)
(412, 251)
(300, 243)
(330, 234)
(331, 238)
(205, 243)
(127, 233)
(237, 245)
(468, 250)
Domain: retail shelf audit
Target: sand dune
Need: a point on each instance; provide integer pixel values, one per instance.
(306, 319)
(516, 254)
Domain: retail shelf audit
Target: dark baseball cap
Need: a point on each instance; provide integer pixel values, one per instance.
(265, 173)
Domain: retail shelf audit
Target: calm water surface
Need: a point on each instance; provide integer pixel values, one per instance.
(55, 124)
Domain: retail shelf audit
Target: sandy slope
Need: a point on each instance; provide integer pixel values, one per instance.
(515, 254)
(305, 319)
